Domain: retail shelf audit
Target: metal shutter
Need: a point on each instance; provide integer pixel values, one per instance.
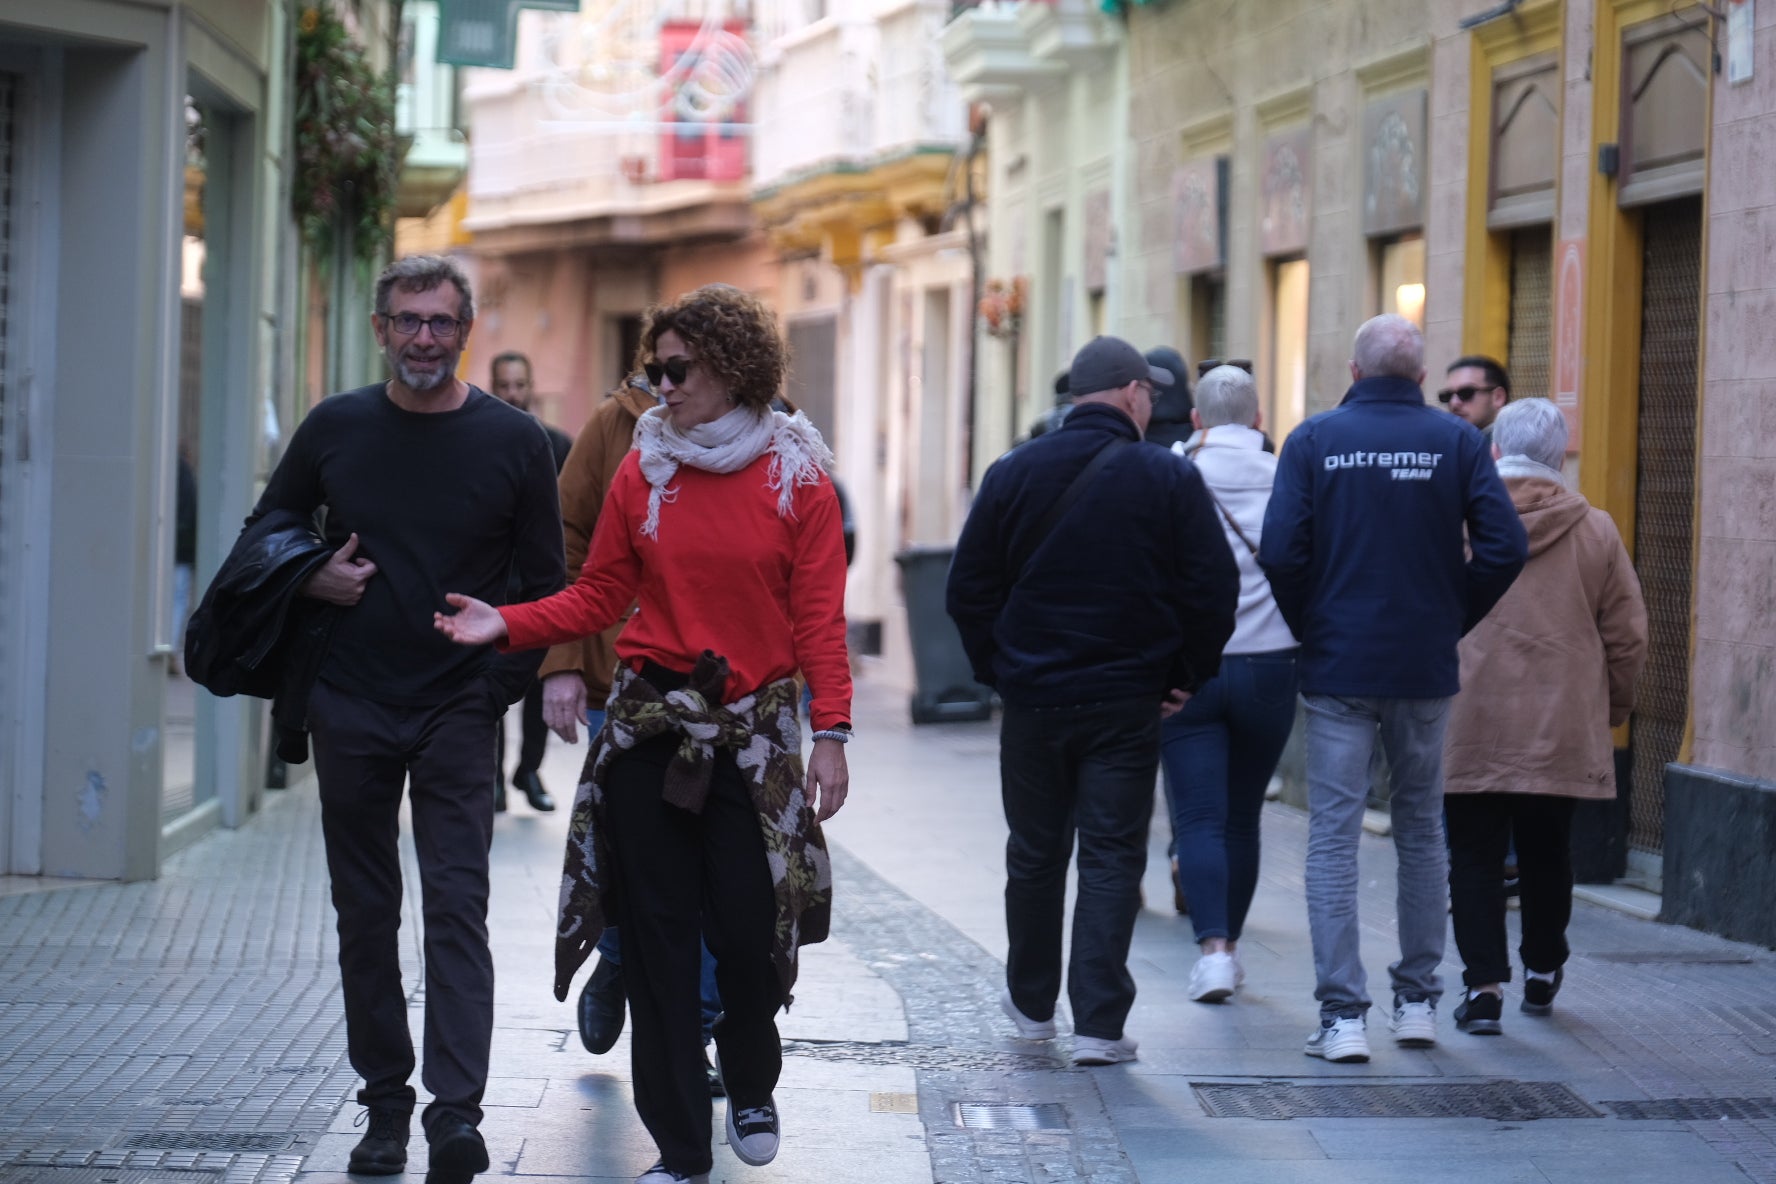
(1664, 501)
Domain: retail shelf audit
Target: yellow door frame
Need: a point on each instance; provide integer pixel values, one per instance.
(1533, 29)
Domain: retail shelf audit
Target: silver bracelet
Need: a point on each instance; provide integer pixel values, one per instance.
(842, 735)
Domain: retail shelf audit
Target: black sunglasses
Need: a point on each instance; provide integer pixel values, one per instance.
(1464, 393)
(677, 369)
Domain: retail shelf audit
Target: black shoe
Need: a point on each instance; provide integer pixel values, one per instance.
(1478, 1014)
(716, 1088)
(383, 1149)
(499, 798)
(1538, 994)
(754, 1132)
(457, 1152)
(601, 1007)
(532, 785)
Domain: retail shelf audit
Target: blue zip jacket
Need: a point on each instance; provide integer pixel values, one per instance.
(1363, 542)
(1131, 595)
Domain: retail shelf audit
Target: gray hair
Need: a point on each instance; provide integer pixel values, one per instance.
(1535, 428)
(422, 273)
(1389, 346)
(1227, 394)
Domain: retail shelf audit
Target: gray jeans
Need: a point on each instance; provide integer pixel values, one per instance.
(1341, 735)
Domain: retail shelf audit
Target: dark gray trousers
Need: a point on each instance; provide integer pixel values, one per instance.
(365, 752)
(1089, 771)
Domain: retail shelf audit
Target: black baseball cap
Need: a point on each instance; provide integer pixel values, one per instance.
(1106, 363)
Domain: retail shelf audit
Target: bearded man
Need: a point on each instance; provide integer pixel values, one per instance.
(427, 484)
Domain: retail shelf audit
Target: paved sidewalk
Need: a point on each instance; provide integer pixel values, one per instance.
(188, 1031)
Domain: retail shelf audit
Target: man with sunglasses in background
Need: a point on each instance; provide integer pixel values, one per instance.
(427, 484)
(1476, 388)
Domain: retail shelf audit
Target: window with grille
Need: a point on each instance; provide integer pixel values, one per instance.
(1529, 349)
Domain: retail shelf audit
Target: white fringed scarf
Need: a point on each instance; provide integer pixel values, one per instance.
(727, 445)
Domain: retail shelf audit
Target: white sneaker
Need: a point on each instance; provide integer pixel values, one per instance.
(1239, 970)
(660, 1174)
(1094, 1050)
(1414, 1024)
(1343, 1040)
(1027, 1028)
(1213, 978)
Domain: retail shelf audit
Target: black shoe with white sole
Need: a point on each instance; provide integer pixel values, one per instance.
(1478, 1014)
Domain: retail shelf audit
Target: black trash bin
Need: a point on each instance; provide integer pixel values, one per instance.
(946, 690)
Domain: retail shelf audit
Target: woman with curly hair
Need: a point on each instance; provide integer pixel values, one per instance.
(723, 524)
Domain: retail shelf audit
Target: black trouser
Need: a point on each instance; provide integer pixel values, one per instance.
(681, 877)
(364, 752)
(1481, 826)
(536, 736)
(1088, 769)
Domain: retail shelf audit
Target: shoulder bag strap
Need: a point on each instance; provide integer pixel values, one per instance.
(1062, 504)
(1232, 525)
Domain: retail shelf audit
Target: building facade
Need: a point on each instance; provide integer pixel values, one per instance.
(609, 170)
(859, 185)
(147, 375)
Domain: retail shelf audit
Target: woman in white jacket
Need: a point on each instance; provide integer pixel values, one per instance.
(1222, 748)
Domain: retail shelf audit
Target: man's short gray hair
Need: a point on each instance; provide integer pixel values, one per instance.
(1534, 428)
(1227, 394)
(1389, 346)
(422, 273)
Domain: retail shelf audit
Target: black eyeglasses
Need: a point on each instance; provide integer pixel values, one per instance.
(677, 369)
(1463, 393)
(408, 323)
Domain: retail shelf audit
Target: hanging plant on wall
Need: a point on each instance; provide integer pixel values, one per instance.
(347, 154)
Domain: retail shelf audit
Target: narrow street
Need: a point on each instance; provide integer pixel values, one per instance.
(188, 1030)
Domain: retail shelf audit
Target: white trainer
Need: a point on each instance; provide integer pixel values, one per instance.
(1027, 1028)
(1095, 1050)
(1414, 1024)
(661, 1174)
(1344, 1040)
(1213, 978)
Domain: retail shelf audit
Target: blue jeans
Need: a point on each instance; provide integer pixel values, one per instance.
(1341, 735)
(610, 946)
(1219, 754)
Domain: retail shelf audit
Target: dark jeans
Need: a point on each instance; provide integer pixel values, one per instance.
(1219, 754)
(1481, 828)
(536, 735)
(683, 879)
(364, 753)
(1088, 770)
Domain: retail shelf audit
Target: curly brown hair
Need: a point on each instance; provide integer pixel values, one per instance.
(731, 332)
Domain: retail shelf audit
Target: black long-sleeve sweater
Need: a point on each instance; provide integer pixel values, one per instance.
(450, 501)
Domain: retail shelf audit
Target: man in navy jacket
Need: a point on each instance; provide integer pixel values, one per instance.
(1091, 625)
(1366, 554)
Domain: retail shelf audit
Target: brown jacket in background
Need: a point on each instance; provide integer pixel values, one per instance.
(585, 479)
(1552, 667)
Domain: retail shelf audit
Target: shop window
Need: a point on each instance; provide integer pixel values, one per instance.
(1287, 377)
(1400, 277)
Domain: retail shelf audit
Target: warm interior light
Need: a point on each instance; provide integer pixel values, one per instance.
(1409, 302)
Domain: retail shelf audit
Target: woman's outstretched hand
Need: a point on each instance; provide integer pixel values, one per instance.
(475, 622)
(828, 778)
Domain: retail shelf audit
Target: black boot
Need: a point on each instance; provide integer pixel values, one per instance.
(601, 1007)
(383, 1149)
(457, 1152)
(532, 785)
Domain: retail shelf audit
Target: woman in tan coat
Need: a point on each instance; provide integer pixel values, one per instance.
(1544, 677)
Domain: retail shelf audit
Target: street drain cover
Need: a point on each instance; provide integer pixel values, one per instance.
(1009, 1116)
(208, 1141)
(1695, 1109)
(1510, 1101)
(36, 1174)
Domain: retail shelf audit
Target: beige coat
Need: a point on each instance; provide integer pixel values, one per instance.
(1552, 668)
(585, 479)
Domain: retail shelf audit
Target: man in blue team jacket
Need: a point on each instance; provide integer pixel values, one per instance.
(1364, 547)
(1091, 626)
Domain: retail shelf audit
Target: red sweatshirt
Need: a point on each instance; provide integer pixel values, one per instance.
(726, 573)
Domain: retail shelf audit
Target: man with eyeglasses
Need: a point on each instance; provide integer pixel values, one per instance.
(427, 484)
(1475, 389)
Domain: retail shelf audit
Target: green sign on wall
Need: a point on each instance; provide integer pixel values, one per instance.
(485, 32)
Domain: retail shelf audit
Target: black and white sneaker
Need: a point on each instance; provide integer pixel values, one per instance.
(661, 1174)
(1538, 993)
(754, 1132)
(1478, 1014)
